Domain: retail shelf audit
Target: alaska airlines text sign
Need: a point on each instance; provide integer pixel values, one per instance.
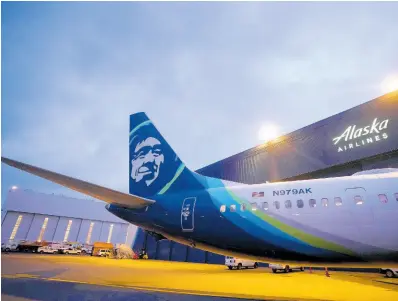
(357, 137)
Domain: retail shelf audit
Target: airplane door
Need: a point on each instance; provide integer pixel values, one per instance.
(356, 195)
(187, 214)
(362, 217)
(361, 207)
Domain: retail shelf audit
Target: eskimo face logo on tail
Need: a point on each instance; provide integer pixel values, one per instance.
(147, 159)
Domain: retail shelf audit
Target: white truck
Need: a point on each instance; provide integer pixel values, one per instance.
(47, 249)
(389, 272)
(239, 263)
(72, 251)
(285, 268)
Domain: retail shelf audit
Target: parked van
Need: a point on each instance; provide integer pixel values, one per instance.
(239, 263)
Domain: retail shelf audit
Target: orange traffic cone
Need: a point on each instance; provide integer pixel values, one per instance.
(327, 272)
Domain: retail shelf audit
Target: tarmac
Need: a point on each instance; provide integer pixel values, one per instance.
(63, 277)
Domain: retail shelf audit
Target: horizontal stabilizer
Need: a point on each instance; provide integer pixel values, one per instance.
(104, 194)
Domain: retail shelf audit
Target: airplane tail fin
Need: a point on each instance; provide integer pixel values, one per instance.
(154, 167)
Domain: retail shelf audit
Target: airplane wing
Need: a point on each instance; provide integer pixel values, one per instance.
(105, 194)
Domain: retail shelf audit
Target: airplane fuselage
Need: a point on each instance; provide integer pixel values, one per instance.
(336, 220)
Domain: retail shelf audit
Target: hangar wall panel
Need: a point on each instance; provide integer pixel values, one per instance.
(132, 231)
(163, 250)
(151, 246)
(119, 233)
(35, 227)
(95, 236)
(215, 258)
(84, 228)
(9, 223)
(74, 229)
(195, 255)
(3, 215)
(115, 233)
(179, 252)
(63, 226)
(23, 229)
(139, 240)
(49, 233)
(105, 231)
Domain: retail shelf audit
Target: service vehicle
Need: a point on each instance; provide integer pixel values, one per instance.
(99, 245)
(104, 253)
(389, 272)
(239, 263)
(47, 249)
(32, 247)
(285, 268)
(9, 247)
(72, 251)
(86, 250)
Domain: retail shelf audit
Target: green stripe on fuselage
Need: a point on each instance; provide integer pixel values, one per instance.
(305, 237)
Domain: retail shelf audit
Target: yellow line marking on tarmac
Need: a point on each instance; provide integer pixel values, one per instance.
(10, 276)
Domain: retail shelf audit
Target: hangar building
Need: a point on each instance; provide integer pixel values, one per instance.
(362, 138)
(36, 216)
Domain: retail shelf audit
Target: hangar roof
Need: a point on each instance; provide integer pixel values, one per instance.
(50, 204)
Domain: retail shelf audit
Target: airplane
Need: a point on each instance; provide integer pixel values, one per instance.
(346, 221)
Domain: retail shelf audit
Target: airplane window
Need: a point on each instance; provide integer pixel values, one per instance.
(243, 207)
(396, 196)
(288, 204)
(383, 198)
(325, 202)
(338, 201)
(300, 203)
(277, 205)
(222, 208)
(232, 208)
(358, 200)
(312, 203)
(254, 206)
(265, 205)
